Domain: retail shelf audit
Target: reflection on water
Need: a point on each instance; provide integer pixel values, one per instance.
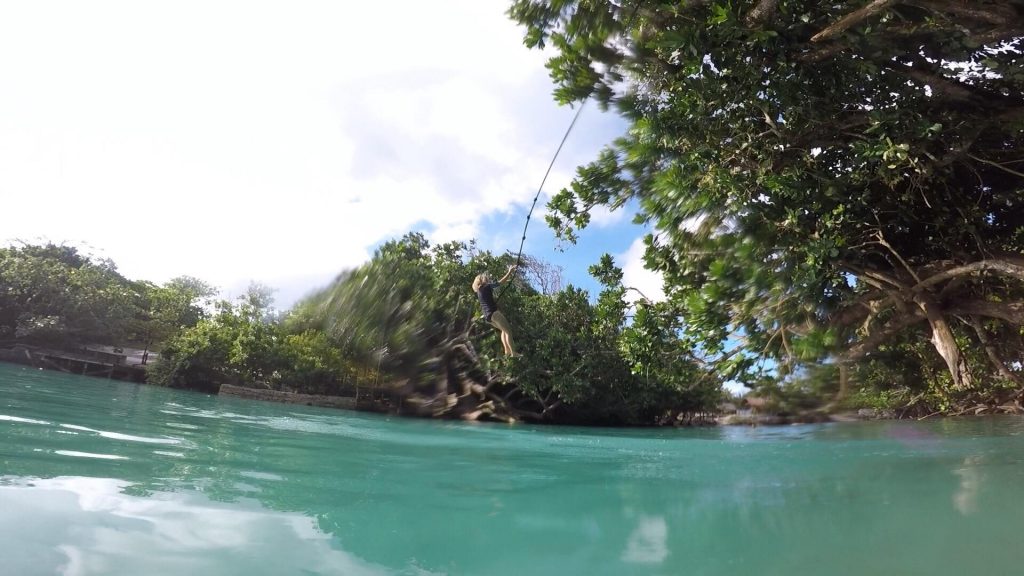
(77, 526)
(648, 543)
(108, 478)
(965, 499)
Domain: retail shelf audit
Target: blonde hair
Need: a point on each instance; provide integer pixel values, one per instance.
(480, 280)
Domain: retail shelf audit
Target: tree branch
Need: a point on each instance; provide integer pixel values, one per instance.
(997, 165)
(771, 123)
(852, 19)
(1012, 312)
(1003, 266)
(554, 406)
(874, 277)
(867, 345)
(642, 295)
(885, 243)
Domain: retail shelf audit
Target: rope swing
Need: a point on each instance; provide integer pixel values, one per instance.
(544, 180)
(519, 256)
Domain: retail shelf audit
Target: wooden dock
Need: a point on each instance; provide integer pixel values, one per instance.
(96, 362)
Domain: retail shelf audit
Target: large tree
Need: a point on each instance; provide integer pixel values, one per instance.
(55, 294)
(823, 177)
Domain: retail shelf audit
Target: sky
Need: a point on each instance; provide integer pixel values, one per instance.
(281, 142)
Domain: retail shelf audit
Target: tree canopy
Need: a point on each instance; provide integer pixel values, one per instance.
(834, 180)
(412, 305)
(55, 294)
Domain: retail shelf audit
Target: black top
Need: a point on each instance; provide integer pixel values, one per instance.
(486, 295)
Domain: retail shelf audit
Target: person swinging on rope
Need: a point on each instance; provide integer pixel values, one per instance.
(484, 288)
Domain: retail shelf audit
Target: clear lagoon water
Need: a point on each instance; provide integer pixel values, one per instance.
(107, 478)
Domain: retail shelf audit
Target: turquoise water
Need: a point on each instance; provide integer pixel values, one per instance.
(100, 477)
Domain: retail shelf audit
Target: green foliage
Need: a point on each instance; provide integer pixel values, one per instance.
(887, 399)
(804, 166)
(396, 312)
(234, 346)
(311, 363)
(197, 358)
(605, 366)
(55, 294)
(604, 361)
(167, 310)
(244, 343)
(397, 307)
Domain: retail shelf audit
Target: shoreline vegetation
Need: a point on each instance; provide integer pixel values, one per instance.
(374, 402)
(370, 403)
(417, 348)
(832, 198)
(724, 419)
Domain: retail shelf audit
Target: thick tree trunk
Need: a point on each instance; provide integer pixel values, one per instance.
(941, 290)
(945, 343)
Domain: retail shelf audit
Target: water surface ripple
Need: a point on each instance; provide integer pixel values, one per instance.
(100, 477)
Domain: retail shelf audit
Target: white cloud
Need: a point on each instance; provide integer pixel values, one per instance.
(634, 274)
(236, 140)
(604, 217)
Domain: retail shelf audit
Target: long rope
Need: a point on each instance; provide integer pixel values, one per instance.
(545, 179)
(519, 256)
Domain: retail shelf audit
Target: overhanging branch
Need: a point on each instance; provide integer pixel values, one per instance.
(994, 265)
(852, 19)
(1012, 312)
(874, 278)
(867, 345)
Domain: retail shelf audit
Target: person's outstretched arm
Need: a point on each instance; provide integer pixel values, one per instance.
(505, 278)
